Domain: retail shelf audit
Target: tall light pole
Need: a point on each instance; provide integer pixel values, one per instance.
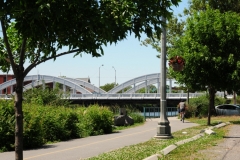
(163, 128)
(115, 76)
(99, 79)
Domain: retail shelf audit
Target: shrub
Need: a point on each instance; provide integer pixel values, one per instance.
(98, 120)
(199, 106)
(48, 124)
(131, 111)
(44, 124)
(47, 96)
(7, 124)
(60, 123)
(137, 117)
(33, 132)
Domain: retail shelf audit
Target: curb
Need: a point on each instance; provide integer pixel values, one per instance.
(171, 147)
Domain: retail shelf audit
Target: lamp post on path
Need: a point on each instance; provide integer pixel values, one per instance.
(115, 76)
(163, 128)
(99, 79)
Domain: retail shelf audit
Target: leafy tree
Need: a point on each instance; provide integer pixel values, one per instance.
(223, 6)
(151, 89)
(35, 31)
(210, 46)
(46, 96)
(107, 87)
(125, 89)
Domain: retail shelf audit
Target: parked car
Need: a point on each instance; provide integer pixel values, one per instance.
(228, 109)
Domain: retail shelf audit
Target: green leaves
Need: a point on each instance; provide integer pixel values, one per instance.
(46, 96)
(6, 125)
(210, 46)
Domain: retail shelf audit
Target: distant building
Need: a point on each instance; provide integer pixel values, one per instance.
(4, 78)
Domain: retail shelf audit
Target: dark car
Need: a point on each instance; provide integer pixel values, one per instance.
(228, 109)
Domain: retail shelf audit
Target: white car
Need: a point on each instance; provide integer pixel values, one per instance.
(228, 109)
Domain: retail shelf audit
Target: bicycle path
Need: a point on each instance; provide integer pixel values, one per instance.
(92, 146)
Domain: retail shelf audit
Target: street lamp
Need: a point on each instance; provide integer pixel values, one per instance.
(163, 128)
(99, 79)
(115, 75)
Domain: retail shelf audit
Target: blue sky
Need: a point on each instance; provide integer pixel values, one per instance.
(128, 57)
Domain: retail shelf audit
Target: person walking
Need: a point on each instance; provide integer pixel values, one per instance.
(182, 107)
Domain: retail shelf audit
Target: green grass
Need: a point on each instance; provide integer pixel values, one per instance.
(186, 151)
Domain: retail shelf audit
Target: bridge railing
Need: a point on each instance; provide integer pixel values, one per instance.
(154, 112)
(139, 96)
(130, 96)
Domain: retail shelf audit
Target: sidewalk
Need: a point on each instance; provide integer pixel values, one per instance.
(228, 149)
(92, 146)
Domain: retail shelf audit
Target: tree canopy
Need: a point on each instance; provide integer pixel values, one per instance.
(107, 87)
(150, 89)
(210, 46)
(222, 6)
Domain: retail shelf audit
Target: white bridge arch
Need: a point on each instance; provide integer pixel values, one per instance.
(134, 81)
(83, 86)
(144, 84)
(36, 80)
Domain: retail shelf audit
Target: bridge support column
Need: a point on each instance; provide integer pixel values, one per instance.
(64, 88)
(163, 127)
(43, 84)
(32, 84)
(170, 85)
(146, 89)
(54, 84)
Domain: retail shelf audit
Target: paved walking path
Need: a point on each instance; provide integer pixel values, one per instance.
(228, 149)
(92, 146)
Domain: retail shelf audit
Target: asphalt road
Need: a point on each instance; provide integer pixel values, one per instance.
(92, 146)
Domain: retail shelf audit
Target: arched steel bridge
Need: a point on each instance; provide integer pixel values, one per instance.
(83, 90)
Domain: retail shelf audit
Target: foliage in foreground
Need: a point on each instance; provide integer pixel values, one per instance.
(44, 124)
(47, 124)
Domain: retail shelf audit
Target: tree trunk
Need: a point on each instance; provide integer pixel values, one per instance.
(234, 97)
(211, 104)
(19, 118)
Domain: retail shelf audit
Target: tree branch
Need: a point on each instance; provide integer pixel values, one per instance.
(31, 66)
(22, 52)
(9, 52)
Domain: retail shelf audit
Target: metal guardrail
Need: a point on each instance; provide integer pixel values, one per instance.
(154, 112)
(140, 96)
(130, 96)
